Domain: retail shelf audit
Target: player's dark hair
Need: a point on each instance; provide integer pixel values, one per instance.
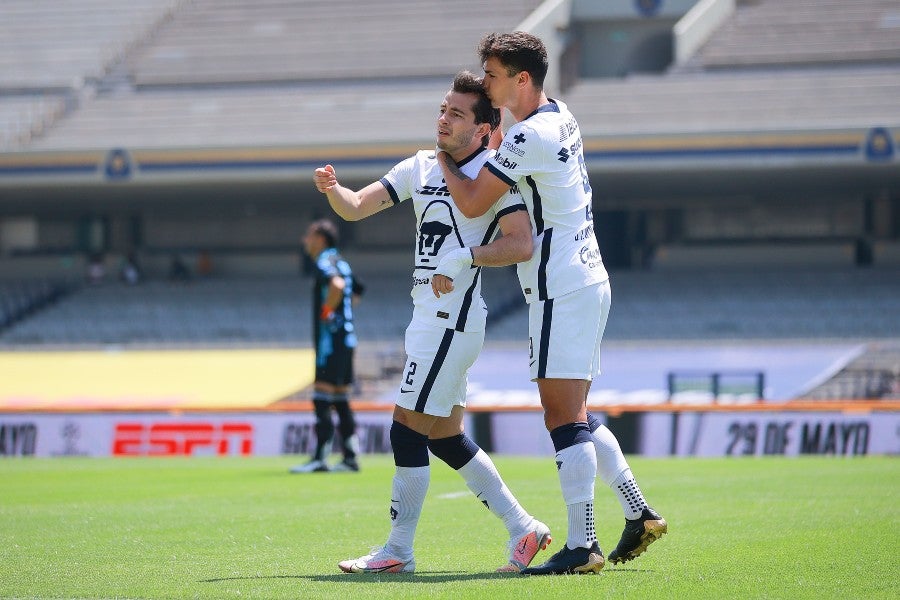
(517, 51)
(467, 82)
(328, 230)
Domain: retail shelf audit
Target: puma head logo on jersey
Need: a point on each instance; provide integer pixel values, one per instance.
(431, 237)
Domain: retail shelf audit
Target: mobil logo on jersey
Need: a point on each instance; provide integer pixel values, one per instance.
(179, 438)
(504, 162)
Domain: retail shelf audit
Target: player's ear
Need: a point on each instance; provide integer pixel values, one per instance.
(523, 78)
(496, 138)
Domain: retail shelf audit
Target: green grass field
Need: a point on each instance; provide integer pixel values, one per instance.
(245, 528)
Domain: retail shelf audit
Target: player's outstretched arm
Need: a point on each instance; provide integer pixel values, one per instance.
(348, 204)
(473, 197)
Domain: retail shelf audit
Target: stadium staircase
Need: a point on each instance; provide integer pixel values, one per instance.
(874, 374)
(25, 299)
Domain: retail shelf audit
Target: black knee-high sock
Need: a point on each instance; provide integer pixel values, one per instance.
(346, 425)
(324, 425)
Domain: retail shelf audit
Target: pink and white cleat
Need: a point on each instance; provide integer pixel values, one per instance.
(523, 548)
(378, 561)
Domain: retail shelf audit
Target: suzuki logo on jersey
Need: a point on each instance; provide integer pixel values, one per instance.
(504, 162)
(182, 439)
(431, 237)
(433, 190)
(565, 153)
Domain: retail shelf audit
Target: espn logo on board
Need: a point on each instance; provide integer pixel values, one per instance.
(182, 439)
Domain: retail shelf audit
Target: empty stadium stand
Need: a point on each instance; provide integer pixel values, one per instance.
(673, 304)
(755, 303)
(63, 45)
(25, 116)
(301, 86)
(286, 115)
(298, 54)
(21, 298)
(767, 33)
(159, 312)
(320, 115)
(734, 101)
(216, 42)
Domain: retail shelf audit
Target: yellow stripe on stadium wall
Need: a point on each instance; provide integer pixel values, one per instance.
(747, 140)
(152, 379)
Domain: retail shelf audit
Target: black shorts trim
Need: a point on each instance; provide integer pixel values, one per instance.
(439, 358)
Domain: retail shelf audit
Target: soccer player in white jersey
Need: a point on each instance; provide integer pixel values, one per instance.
(447, 330)
(566, 287)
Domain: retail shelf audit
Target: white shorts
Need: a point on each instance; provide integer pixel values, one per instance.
(437, 366)
(564, 333)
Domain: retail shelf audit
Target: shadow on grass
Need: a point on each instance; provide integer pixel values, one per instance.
(419, 577)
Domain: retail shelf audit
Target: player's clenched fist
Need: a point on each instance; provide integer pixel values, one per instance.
(325, 178)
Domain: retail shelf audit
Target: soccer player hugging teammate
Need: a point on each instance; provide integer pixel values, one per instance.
(567, 289)
(446, 333)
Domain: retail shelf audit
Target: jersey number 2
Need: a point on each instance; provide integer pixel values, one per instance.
(410, 373)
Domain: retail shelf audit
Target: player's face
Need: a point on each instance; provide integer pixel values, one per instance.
(498, 84)
(456, 128)
(311, 242)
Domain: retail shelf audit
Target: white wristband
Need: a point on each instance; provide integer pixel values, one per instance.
(454, 262)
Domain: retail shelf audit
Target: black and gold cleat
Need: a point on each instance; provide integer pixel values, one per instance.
(568, 561)
(638, 534)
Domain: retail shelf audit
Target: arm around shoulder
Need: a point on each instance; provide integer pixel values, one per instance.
(473, 197)
(514, 246)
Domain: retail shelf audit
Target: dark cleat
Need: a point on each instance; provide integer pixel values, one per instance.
(639, 533)
(348, 464)
(568, 561)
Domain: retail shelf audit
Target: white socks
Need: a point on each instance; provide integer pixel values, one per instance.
(407, 496)
(577, 468)
(482, 478)
(610, 460)
(629, 495)
(613, 469)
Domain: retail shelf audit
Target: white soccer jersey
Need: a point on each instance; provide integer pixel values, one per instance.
(542, 156)
(440, 227)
